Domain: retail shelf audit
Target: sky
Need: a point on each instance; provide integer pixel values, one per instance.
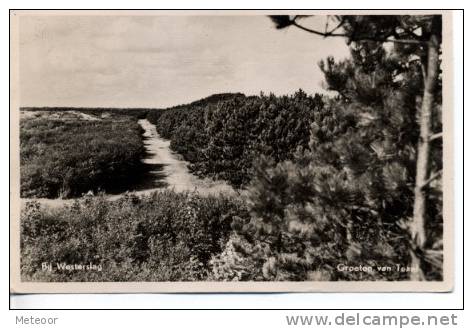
(161, 61)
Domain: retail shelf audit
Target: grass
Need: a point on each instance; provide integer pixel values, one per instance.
(63, 157)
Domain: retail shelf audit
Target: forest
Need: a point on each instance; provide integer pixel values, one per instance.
(351, 178)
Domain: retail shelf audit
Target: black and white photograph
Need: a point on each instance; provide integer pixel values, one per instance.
(247, 151)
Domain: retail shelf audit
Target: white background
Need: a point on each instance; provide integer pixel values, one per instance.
(237, 319)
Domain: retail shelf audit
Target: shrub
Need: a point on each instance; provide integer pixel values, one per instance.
(165, 236)
(223, 135)
(65, 158)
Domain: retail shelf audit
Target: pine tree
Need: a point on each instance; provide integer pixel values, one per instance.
(418, 39)
(349, 199)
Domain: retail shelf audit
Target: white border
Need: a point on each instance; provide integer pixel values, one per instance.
(398, 300)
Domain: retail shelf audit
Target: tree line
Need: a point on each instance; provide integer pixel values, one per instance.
(222, 136)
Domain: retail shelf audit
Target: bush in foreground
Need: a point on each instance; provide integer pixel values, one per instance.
(166, 236)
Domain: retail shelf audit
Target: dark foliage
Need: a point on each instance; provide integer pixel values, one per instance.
(165, 236)
(223, 135)
(65, 158)
(349, 198)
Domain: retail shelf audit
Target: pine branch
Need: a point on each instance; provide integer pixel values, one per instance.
(332, 34)
(338, 26)
(364, 209)
(323, 34)
(432, 178)
(435, 136)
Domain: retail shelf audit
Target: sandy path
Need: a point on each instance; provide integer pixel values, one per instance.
(168, 170)
(172, 170)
